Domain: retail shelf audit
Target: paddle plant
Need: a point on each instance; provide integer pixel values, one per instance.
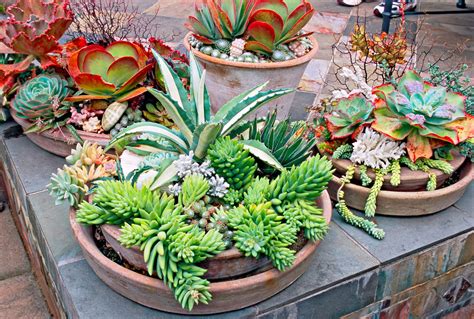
(33, 27)
(113, 72)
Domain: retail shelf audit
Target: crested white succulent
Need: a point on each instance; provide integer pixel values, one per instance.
(375, 150)
(360, 86)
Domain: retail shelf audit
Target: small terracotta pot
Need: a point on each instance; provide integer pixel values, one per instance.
(406, 203)
(409, 180)
(228, 295)
(226, 79)
(229, 263)
(60, 142)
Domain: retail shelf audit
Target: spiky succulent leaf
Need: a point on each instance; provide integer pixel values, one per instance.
(194, 188)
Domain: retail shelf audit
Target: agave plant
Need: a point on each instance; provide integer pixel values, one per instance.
(220, 19)
(349, 117)
(273, 23)
(284, 140)
(35, 26)
(111, 72)
(40, 100)
(197, 128)
(423, 114)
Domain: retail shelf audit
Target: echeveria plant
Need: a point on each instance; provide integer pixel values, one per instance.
(423, 114)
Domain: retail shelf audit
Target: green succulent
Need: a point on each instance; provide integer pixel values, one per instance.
(349, 116)
(257, 191)
(419, 112)
(232, 162)
(260, 231)
(171, 248)
(303, 214)
(116, 202)
(194, 188)
(65, 188)
(283, 139)
(306, 181)
(40, 100)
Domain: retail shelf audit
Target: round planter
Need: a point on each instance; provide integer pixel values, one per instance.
(60, 142)
(409, 180)
(226, 79)
(228, 295)
(405, 203)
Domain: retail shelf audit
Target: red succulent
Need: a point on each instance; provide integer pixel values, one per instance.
(111, 72)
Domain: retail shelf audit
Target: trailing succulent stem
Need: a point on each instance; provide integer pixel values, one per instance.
(365, 179)
(349, 217)
(395, 170)
(371, 204)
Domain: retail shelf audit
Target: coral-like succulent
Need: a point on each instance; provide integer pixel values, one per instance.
(111, 72)
(274, 23)
(349, 116)
(423, 114)
(40, 100)
(34, 27)
(375, 150)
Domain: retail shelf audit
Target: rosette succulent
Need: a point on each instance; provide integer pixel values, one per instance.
(33, 27)
(423, 114)
(349, 117)
(40, 99)
(111, 72)
(273, 23)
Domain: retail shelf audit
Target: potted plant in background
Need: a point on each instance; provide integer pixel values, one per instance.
(207, 210)
(242, 43)
(396, 155)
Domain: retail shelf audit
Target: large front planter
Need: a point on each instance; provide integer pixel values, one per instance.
(226, 79)
(60, 142)
(228, 295)
(406, 203)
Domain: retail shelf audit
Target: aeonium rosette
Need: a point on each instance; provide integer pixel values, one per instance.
(423, 114)
(113, 72)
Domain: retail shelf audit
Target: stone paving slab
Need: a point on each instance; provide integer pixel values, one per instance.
(408, 235)
(13, 259)
(20, 298)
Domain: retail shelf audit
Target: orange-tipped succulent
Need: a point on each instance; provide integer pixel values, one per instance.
(34, 27)
(113, 72)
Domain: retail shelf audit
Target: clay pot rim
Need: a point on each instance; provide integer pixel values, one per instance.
(87, 243)
(250, 65)
(467, 175)
(93, 137)
(343, 164)
(323, 201)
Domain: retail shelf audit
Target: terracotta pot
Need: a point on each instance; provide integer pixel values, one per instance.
(229, 263)
(406, 203)
(227, 295)
(226, 79)
(409, 180)
(60, 142)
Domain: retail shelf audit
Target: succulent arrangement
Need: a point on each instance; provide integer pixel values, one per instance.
(77, 85)
(412, 124)
(254, 31)
(185, 194)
